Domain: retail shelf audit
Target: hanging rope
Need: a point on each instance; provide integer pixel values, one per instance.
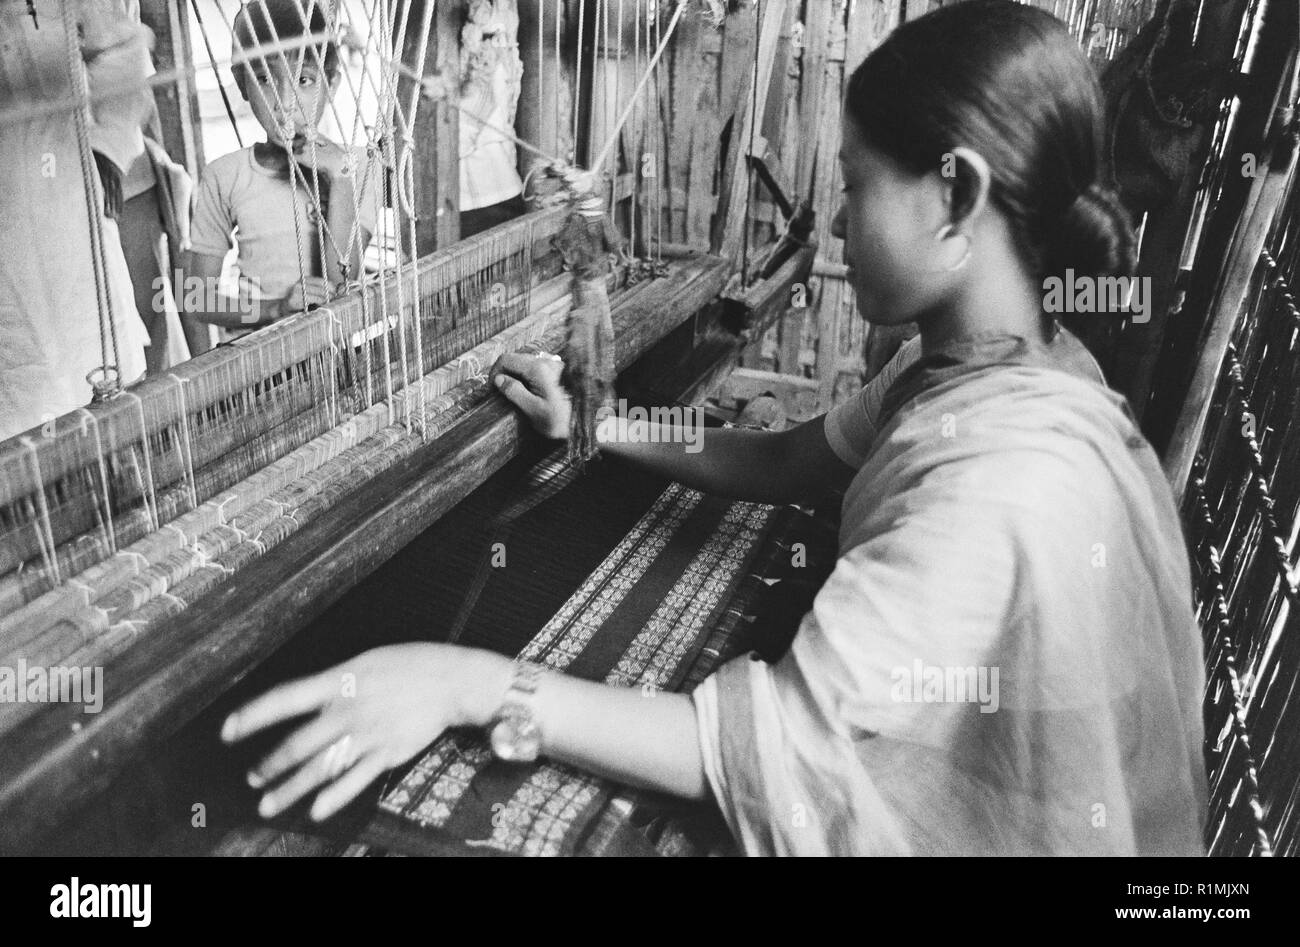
(105, 381)
(212, 60)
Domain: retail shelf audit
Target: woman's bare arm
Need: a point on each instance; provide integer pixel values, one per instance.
(378, 710)
(787, 467)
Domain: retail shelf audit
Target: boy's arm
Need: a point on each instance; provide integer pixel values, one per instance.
(200, 300)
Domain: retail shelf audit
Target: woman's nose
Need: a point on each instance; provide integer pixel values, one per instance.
(838, 229)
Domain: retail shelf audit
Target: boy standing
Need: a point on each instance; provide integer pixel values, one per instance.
(267, 193)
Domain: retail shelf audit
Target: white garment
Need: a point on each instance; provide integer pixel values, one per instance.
(239, 201)
(1012, 519)
(49, 316)
(493, 75)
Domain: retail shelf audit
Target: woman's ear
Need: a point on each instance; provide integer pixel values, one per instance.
(971, 180)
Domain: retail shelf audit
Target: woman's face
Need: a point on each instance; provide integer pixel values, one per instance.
(888, 223)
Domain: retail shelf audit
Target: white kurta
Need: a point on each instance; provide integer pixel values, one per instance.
(49, 317)
(1005, 659)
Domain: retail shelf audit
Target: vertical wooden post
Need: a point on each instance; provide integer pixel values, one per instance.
(545, 114)
(436, 162)
(706, 136)
(178, 102)
(752, 108)
(813, 90)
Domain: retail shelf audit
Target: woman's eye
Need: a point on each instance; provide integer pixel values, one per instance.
(307, 81)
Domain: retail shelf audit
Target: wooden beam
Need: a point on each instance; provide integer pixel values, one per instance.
(796, 395)
(178, 102)
(436, 131)
(753, 109)
(812, 91)
(706, 138)
(687, 90)
(1268, 192)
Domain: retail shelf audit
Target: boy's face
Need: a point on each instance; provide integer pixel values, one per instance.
(288, 94)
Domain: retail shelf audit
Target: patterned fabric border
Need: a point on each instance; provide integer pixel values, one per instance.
(643, 618)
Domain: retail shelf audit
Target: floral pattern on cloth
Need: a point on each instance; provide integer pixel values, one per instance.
(658, 613)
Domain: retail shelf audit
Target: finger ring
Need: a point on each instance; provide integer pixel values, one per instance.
(339, 756)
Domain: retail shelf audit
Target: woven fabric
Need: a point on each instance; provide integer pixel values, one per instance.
(674, 598)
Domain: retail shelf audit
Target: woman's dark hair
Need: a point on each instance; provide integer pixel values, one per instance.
(268, 22)
(1009, 82)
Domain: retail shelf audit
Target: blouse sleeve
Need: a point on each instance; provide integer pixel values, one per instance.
(852, 426)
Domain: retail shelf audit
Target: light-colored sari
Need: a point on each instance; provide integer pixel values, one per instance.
(1005, 659)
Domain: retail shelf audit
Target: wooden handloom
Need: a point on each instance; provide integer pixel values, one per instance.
(252, 486)
(179, 534)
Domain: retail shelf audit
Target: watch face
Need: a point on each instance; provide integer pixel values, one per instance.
(516, 740)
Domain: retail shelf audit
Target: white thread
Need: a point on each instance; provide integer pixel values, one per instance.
(187, 450)
(148, 461)
(109, 529)
(221, 502)
(44, 529)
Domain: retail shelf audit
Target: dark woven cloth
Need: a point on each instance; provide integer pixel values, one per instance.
(679, 592)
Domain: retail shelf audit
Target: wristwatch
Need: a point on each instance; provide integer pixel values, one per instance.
(515, 736)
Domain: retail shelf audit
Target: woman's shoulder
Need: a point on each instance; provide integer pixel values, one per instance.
(1018, 421)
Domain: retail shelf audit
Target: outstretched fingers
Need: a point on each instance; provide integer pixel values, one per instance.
(338, 794)
(298, 747)
(325, 767)
(280, 704)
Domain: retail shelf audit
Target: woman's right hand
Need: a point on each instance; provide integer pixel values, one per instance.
(532, 384)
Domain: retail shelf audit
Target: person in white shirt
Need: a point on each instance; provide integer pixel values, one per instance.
(53, 318)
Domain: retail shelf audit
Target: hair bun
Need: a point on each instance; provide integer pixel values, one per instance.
(1094, 237)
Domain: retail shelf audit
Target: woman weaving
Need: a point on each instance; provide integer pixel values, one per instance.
(1002, 515)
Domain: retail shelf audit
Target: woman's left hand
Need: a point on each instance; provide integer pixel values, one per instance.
(364, 717)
